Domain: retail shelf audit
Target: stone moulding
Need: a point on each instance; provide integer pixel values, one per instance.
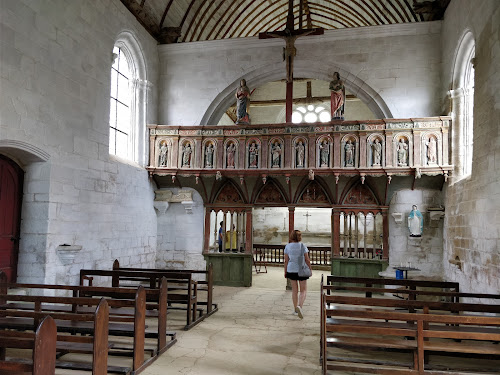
(67, 253)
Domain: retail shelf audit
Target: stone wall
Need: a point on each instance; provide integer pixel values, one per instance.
(471, 255)
(55, 62)
(394, 69)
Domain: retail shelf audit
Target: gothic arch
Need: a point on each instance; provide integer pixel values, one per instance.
(313, 191)
(358, 193)
(317, 70)
(269, 193)
(228, 194)
(22, 153)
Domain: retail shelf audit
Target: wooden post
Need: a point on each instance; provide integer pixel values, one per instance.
(291, 220)
(208, 230)
(289, 101)
(335, 233)
(385, 253)
(248, 232)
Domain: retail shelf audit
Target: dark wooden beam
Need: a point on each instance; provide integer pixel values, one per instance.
(143, 14)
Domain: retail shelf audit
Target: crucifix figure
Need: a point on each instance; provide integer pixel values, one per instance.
(307, 220)
(289, 35)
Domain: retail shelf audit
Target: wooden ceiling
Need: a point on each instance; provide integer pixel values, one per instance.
(175, 21)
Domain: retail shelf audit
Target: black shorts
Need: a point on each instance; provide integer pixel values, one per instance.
(295, 276)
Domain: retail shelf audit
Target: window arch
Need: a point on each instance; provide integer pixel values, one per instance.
(128, 100)
(462, 99)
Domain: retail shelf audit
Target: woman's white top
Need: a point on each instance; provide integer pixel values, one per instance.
(293, 250)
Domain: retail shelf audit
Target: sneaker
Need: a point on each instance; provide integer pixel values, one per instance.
(298, 310)
(295, 313)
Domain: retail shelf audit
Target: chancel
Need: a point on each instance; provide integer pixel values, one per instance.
(169, 149)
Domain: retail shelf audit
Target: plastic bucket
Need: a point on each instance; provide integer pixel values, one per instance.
(399, 274)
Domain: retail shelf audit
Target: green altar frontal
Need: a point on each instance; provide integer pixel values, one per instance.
(231, 269)
(354, 267)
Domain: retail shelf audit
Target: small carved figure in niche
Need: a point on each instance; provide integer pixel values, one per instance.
(163, 154)
(402, 150)
(349, 154)
(415, 222)
(311, 174)
(209, 156)
(376, 152)
(337, 97)
(431, 151)
(324, 151)
(230, 151)
(253, 155)
(299, 147)
(242, 103)
(276, 155)
(186, 155)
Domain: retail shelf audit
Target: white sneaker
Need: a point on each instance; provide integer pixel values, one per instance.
(298, 310)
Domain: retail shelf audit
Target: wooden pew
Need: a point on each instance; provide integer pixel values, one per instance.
(94, 325)
(206, 285)
(182, 289)
(366, 323)
(43, 345)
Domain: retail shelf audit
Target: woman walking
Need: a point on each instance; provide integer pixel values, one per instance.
(296, 253)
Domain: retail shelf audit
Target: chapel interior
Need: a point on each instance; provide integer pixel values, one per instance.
(121, 139)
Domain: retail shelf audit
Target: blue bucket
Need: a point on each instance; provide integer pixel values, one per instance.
(399, 274)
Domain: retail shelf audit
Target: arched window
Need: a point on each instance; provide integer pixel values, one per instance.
(462, 99)
(311, 113)
(128, 100)
(119, 111)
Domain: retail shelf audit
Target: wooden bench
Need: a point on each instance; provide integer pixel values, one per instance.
(94, 326)
(205, 285)
(182, 289)
(156, 306)
(365, 324)
(42, 342)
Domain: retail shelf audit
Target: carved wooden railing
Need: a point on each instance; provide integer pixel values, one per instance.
(375, 147)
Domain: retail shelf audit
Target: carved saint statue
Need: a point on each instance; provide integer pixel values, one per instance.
(402, 150)
(415, 222)
(253, 155)
(209, 156)
(376, 152)
(276, 155)
(337, 97)
(349, 154)
(230, 151)
(431, 151)
(242, 103)
(300, 149)
(186, 155)
(324, 149)
(163, 154)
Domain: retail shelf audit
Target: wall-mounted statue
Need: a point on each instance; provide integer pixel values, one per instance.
(253, 155)
(186, 155)
(337, 97)
(376, 152)
(300, 152)
(162, 162)
(230, 151)
(324, 152)
(349, 153)
(209, 156)
(276, 155)
(415, 222)
(431, 151)
(402, 152)
(242, 103)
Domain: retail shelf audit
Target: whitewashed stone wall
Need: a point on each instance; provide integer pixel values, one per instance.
(424, 253)
(472, 221)
(394, 69)
(180, 234)
(55, 62)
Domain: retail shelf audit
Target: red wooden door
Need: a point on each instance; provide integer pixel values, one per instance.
(11, 179)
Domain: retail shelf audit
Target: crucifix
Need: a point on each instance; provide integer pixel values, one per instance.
(289, 35)
(307, 220)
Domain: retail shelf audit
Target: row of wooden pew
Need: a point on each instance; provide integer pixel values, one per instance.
(427, 320)
(127, 304)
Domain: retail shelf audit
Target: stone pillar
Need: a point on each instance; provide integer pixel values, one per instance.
(264, 153)
(417, 148)
(242, 153)
(142, 88)
(198, 152)
(220, 162)
(336, 150)
(362, 150)
(388, 149)
(385, 234)
(152, 161)
(175, 152)
(312, 163)
(445, 160)
(288, 151)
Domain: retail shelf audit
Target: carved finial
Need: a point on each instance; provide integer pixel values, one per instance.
(389, 178)
(362, 180)
(264, 179)
(241, 180)
(173, 179)
(418, 173)
(218, 175)
(445, 177)
(311, 174)
(197, 180)
(287, 180)
(337, 177)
